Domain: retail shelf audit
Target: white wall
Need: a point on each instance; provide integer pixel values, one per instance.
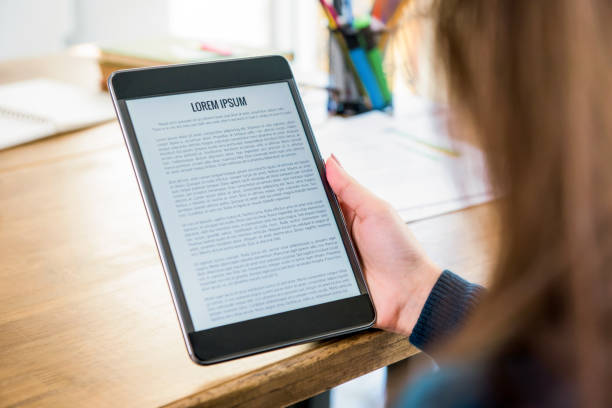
(111, 21)
(233, 21)
(30, 27)
(34, 27)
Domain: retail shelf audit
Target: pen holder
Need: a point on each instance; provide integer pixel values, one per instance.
(357, 82)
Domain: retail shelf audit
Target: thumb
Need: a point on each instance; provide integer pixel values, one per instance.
(352, 194)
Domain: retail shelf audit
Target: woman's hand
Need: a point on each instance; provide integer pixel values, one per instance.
(400, 276)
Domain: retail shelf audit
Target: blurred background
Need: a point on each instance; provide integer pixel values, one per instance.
(295, 28)
(125, 33)
(34, 27)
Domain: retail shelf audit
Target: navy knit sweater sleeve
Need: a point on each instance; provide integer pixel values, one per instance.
(448, 305)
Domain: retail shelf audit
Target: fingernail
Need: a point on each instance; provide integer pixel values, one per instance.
(333, 156)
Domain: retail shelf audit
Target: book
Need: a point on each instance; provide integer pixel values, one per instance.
(40, 107)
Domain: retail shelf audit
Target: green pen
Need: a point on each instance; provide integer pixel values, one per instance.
(374, 56)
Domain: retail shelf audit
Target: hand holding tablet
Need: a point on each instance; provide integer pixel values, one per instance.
(252, 240)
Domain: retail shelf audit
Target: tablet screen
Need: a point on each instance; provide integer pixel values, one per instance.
(243, 207)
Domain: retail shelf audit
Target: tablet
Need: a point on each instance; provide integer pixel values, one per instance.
(252, 240)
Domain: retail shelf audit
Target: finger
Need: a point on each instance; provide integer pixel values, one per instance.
(349, 216)
(353, 195)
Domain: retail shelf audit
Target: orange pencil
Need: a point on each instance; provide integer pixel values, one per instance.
(392, 23)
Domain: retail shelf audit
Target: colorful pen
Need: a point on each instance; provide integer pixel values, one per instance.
(368, 42)
(362, 66)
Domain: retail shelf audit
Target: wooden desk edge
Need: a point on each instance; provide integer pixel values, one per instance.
(292, 380)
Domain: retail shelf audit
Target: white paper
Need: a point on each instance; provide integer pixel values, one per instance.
(408, 160)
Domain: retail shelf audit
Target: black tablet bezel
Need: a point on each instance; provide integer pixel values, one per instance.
(296, 326)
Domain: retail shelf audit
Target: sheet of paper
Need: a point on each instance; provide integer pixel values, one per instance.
(408, 160)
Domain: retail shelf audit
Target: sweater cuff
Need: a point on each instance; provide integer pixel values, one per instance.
(449, 304)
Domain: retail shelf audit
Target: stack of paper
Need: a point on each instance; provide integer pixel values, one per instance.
(408, 160)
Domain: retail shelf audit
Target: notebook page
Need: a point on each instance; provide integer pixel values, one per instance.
(66, 106)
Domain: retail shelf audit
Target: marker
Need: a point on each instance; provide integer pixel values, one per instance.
(332, 15)
(337, 5)
(332, 18)
(391, 19)
(376, 9)
(340, 39)
(362, 66)
(347, 11)
(366, 36)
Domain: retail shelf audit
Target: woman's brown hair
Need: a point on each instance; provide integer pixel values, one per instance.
(533, 79)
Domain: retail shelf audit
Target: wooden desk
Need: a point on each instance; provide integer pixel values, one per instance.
(86, 317)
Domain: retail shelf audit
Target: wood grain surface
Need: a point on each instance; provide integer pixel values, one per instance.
(86, 318)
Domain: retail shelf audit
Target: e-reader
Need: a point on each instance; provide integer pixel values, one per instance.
(251, 238)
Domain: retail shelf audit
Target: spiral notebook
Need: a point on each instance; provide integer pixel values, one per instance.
(41, 107)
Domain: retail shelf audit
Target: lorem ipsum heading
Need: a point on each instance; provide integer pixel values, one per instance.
(212, 104)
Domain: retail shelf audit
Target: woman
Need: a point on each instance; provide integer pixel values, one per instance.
(533, 81)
